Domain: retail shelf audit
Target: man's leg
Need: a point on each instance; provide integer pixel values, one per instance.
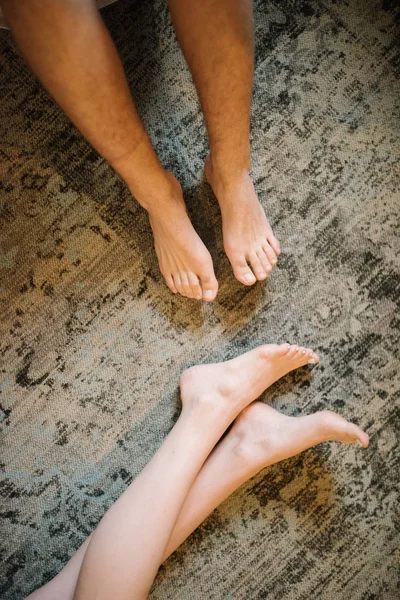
(68, 47)
(216, 37)
(261, 436)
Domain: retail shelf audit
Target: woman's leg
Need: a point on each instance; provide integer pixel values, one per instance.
(260, 436)
(235, 383)
(216, 37)
(128, 546)
(70, 50)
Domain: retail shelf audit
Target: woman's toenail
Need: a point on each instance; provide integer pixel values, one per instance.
(249, 278)
(208, 294)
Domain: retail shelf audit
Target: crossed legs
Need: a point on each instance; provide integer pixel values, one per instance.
(192, 473)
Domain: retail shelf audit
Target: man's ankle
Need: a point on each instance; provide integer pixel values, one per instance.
(147, 180)
(153, 190)
(227, 170)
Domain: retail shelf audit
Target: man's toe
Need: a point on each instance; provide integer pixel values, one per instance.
(242, 271)
(195, 286)
(257, 266)
(270, 254)
(169, 280)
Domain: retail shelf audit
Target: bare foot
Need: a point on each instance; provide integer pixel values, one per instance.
(184, 260)
(248, 237)
(235, 383)
(266, 436)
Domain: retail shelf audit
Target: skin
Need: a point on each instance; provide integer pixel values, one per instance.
(216, 37)
(260, 436)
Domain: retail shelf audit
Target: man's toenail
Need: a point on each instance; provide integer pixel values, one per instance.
(311, 361)
(208, 294)
(249, 278)
(199, 297)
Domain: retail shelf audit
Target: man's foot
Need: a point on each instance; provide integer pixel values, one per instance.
(235, 383)
(184, 260)
(263, 436)
(249, 242)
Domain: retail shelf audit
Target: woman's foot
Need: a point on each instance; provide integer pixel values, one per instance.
(262, 436)
(184, 260)
(249, 242)
(233, 384)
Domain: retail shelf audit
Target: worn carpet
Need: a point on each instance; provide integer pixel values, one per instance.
(92, 342)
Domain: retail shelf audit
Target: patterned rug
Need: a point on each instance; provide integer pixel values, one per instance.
(92, 341)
